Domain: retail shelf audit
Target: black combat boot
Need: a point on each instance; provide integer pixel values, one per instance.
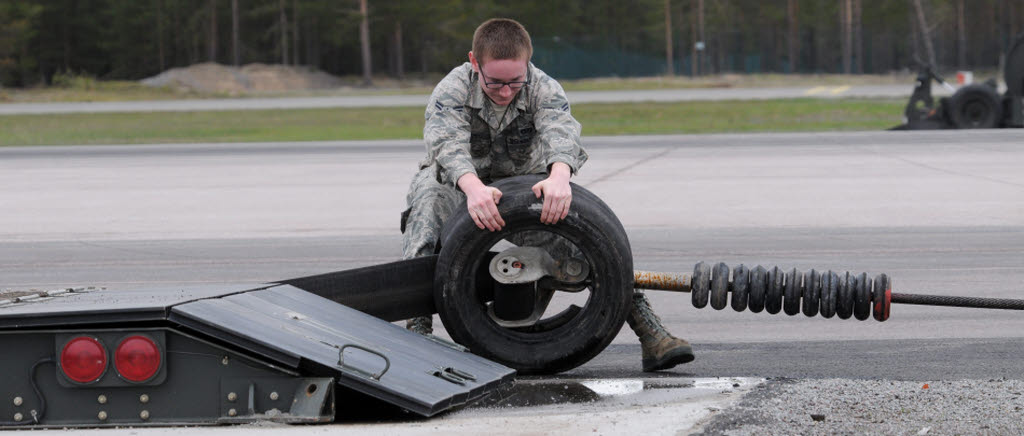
(661, 350)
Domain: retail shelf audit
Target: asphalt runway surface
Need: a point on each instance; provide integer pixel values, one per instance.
(940, 212)
(577, 97)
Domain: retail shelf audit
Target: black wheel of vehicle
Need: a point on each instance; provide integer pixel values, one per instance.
(740, 288)
(700, 285)
(976, 107)
(793, 291)
(776, 288)
(829, 294)
(844, 305)
(574, 336)
(720, 286)
(862, 297)
(758, 283)
(812, 293)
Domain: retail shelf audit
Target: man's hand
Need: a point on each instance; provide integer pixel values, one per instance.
(556, 192)
(482, 202)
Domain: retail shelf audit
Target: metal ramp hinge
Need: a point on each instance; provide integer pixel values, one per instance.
(447, 343)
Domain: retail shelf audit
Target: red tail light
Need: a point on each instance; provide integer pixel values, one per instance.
(83, 359)
(137, 358)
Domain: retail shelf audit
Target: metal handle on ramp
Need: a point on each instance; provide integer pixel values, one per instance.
(374, 377)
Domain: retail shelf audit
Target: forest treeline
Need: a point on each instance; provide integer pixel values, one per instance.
(132, 39)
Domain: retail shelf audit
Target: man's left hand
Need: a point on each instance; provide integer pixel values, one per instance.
(556, 192)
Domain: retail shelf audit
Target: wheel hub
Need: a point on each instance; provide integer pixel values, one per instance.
(526, 280)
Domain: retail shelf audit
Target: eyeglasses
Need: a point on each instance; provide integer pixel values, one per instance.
(511, 85)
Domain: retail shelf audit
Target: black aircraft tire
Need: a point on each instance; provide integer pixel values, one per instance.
(598, 234)
(976, 107)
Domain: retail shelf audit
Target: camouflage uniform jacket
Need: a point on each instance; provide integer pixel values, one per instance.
(466, 133)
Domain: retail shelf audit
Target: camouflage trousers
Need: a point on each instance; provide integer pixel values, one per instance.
(430, 204)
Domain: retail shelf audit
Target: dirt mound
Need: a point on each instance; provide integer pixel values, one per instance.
(217, 78)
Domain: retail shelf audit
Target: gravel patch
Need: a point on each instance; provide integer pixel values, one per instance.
(843, 406)
(212, 77)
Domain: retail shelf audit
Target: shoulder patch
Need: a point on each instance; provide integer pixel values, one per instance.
(565, 107)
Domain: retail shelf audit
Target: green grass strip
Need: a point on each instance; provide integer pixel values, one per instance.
(407, 122)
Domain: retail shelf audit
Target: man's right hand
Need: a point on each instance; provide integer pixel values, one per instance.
(482, 202)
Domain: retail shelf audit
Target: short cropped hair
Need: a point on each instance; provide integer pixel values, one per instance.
(501, 38)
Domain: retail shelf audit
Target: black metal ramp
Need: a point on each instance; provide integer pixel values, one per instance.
(84, 307)
(300, 330)
(284, 326)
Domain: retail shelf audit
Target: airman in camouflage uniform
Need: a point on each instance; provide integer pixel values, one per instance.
(525, 137)
(482, 126)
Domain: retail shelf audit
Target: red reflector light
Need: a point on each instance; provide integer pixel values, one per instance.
(137, 358)
(83, 359)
